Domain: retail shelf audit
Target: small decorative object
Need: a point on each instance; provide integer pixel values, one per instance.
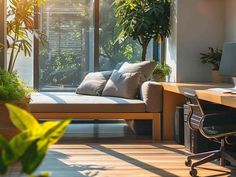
(22, 155)
(161, 71)
(14, 91)
(213, 56)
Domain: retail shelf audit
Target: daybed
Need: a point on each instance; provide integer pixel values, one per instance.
(59, 105)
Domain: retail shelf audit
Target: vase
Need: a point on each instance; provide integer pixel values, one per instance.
(216, 77)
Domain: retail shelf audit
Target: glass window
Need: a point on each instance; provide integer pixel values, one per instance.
(68, 55)
(112, 54)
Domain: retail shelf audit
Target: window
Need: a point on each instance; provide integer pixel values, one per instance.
(68, 56)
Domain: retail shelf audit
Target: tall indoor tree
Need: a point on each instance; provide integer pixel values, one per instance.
(143, 20)
(21, 28)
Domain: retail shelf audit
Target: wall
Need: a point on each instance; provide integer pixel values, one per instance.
(230, 20)
(196, 25)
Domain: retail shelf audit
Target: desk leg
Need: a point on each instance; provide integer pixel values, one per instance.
(170, 102)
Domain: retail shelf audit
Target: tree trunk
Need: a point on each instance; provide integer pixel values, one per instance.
(144, 52)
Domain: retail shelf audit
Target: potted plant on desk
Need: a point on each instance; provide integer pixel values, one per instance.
(213, 57)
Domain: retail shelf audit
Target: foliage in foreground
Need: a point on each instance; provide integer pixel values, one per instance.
(30, 146)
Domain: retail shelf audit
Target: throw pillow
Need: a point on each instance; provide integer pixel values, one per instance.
(145, 67)
(94, 83)
(123, 85)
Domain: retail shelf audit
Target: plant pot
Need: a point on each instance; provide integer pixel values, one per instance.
(7, 129)
(216, 77)
(157, 78)
(14, 171)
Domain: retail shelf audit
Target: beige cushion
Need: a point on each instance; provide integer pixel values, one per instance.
(62, 102)
(151, 94)
(145, 67)
(94, 83)
(123, 85)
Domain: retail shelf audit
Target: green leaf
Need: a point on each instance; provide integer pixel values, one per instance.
(54, 130)
(3, 166)
(22, 141)
(7, 153)
(21, 118)
(32, 158)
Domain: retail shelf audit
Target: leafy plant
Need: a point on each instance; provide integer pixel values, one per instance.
(12, 88)
(143, 20)
(162, 70)
(30, 146)
(21, 28)
(213, 56)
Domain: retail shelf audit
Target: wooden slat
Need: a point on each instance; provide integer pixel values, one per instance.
(127, 116)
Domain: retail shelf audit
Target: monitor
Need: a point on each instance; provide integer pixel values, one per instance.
(228, 62)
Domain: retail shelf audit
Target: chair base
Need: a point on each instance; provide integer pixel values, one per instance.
(206, 157)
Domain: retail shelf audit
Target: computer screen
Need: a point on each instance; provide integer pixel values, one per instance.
(228, 60)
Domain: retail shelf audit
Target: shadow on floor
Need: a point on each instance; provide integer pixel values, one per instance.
(131, 160)
(56, 164)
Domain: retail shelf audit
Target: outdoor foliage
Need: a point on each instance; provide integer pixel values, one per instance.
(162, 70)
(143, 20)
(111, 52)
(213, 56)
(31, 145)
(12, 88)
(20, 28)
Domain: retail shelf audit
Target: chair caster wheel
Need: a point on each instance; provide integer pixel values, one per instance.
(193, 172)
(188, 163)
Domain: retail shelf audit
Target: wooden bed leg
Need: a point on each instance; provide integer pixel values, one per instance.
(156, 127)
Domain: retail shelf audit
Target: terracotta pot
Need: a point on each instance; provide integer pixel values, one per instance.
(7, 129)
(216, 77)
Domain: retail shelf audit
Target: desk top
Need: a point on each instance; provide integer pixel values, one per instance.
(201, 89)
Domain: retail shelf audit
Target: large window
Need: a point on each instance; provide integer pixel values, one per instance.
(80, 39)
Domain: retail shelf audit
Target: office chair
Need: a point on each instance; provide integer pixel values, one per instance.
(216, 126)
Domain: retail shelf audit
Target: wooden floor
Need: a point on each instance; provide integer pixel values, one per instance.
(111, 150)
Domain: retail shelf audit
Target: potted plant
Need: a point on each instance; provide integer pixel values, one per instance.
(143, 20)
(14, 91)
(24, 152)
(213, 57)
(160, 72)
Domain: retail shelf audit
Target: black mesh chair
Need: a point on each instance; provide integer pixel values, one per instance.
(218, 126)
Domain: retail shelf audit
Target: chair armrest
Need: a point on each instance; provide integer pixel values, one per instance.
(151, 93)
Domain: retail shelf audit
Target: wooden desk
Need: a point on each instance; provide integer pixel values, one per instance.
(173, 97)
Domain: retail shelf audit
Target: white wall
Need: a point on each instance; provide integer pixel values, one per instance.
(196, 25)
(230, 20)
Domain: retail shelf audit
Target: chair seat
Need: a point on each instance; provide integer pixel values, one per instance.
(220, 131)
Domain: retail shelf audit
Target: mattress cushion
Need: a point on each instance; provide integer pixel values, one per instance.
(64, 102)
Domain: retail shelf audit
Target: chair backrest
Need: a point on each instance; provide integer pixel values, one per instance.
(197, 113)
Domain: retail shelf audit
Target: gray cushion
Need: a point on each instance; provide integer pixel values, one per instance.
(94, 83)
(123, 85)
(64, 102)
(151, 94)
(145, 67)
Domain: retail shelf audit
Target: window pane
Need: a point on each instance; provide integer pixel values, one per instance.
(68, 56)
(111, 54)
(23, 65)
